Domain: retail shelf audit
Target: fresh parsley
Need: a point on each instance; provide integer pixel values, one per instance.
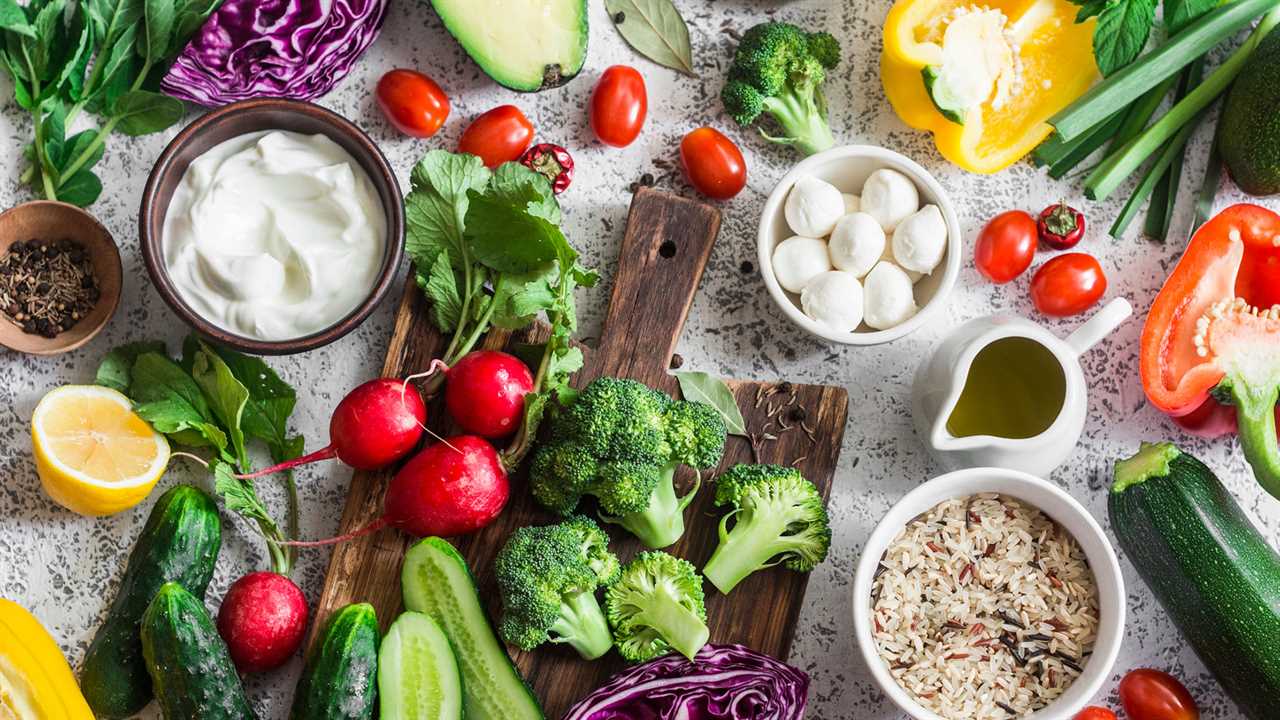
(101, 56)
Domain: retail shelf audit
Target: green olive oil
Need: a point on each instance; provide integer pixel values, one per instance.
(1015, 389)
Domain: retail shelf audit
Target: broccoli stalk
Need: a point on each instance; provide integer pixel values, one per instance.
(778, 518)
(656, 606)
(661, 523)
(547, 577)
(779, 69)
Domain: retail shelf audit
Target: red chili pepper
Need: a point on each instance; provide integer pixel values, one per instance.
(1060, 226)
(1211, 344)
(552, 162)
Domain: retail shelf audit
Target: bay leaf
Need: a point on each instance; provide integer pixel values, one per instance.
(655, 29)
(701, 387)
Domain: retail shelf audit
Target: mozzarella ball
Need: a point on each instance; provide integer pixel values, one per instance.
(833, 299)
(856, 244)
(888, 257)
(852, 203)
(797, 260)
(920, 241)
(889, 197)
(813, 207)
(888, 298)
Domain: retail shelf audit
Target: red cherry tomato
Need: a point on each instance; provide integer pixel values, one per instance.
(713, 164)
(1095, 713)
(1153, 695)
(619, 103)
(1006, 246)
(412, 102)
(1068, 284)
(498, 136)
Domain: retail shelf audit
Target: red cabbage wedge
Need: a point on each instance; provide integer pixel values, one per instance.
(724, 682)
(273, 48)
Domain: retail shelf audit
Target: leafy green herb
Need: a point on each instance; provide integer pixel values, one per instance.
(655, 29)
(701, 387)
(116, 368)
(1122, 30)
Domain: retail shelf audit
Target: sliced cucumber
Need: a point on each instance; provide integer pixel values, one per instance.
(438, 583)
(417, 674)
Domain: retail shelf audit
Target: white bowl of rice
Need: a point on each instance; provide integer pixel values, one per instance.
(987, 594)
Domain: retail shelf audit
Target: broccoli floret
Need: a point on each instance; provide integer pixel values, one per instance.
(655, 606)
(778, 517)
(548, 578)
(621, 442)
(779, 69)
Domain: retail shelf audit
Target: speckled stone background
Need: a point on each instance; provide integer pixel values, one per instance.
(64, 567)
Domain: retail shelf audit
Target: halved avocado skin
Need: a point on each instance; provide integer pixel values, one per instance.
(553, 75)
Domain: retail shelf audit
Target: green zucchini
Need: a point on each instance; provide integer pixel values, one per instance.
(179, 543)
(1208, 566)
(436, 581)
(339, 681)
(190, 666)
(417, 673)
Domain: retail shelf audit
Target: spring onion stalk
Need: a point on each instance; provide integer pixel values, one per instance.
(1157, 170)
(1085, 145)
(1141, 112)
(1116, 168)
(1054, 149)
(1208, 190)
(1165, 198)
(1118, 91)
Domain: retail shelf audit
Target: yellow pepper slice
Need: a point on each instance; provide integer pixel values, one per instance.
(1057, 66)
(36, 682)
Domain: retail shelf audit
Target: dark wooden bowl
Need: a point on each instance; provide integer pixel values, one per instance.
(250, 116)
(49, 220)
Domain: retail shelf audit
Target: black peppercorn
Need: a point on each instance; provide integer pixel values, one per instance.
(676, 361)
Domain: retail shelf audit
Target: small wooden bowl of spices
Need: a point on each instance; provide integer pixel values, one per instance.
(60, 277)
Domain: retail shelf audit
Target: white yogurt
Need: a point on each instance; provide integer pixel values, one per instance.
(274, 235)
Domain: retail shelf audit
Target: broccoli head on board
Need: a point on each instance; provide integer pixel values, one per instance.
(779, 70)
(657, 606)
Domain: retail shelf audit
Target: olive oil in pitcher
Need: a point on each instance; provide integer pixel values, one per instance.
(1015, 389)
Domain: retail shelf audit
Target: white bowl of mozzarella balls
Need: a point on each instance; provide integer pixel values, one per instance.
(859, 245)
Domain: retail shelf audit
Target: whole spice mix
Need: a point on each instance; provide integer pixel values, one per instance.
(46, 287)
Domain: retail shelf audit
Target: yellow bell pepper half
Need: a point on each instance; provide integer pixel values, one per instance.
(1057, 66)
(36, 682)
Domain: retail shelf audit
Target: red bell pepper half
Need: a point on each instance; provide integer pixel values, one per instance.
(1211, 345)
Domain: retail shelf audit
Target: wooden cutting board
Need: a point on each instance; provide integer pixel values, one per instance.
(668, 241)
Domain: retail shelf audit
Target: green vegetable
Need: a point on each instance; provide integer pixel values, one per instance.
(526, 47)
(488, 252)
(338, 682)
(657, 606)
(548, 578)
(779, 69)
(179, 543)
(621, 442)
(778, 517)
(218, 399)
(417, 673)
(1249, 129)
(189, 665)
(437, 582)
(1215, 575)
(1122, 30)
(704, 388)
(104, 56)
(654, 29)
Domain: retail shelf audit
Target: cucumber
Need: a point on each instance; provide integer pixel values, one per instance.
(417, 674)
(189, 665)
(1208, 566)
(179, 543)
(437, 582)
(339, 681)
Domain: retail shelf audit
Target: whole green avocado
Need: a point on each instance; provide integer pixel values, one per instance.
(1249, 130)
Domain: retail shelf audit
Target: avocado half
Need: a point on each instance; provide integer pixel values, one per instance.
(528, 45)
(1249, 129)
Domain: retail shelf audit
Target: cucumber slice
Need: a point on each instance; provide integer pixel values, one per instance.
(417, 674)
(437, 582)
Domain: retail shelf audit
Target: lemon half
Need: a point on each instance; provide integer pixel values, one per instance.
(94, 455)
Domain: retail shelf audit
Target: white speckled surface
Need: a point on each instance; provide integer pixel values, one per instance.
(64, 567)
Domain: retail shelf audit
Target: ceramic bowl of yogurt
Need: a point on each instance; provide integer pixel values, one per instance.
(859, 245)
(272, 226)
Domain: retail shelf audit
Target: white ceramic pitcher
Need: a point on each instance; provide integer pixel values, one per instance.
(940, 381)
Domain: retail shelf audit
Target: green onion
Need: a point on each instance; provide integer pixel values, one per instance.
(1083, 146)
(1140, 113)
(1122, 88)
(1208, 189)
(1165, 198)
(1154, 173)
(1054, 149)
(1116, 168)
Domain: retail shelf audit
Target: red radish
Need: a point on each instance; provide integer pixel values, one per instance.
(373, 426)
(453, 487)
(485, 392)
(262, 619)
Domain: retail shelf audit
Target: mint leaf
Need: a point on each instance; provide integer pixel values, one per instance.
(226, 396)
(441, 287)
(116, 367)
(504, 237)
(14, 20)
(1178, 14)
(1122, 31)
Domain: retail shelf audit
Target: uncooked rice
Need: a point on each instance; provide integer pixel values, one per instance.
(984, 608)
